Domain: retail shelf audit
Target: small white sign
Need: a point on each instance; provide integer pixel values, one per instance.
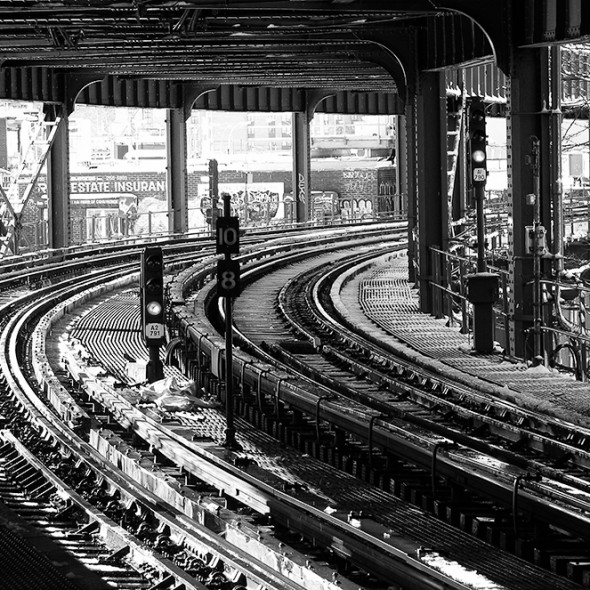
(137, 371)
(154, 331)
(479, 174)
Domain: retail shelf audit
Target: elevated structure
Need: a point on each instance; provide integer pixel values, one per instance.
(419, 58)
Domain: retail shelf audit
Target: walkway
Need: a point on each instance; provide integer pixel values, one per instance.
(383, 302)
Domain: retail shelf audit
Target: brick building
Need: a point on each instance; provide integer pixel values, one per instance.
(106, 204)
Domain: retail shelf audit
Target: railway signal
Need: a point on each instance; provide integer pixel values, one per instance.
(482, 287)
(477, 142)
(227, 239)
(153, 308)
(152, 285)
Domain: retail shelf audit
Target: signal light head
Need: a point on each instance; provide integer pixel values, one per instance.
(153, 285)
(478, 135)
(478, 156)
(152, 296)
(153, 263)
(154, 308)
(477, 143)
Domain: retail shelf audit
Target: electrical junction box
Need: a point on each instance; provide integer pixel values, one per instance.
(529, 236)
(482, 287)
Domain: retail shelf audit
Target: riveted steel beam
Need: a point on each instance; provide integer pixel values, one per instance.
(432, 210)
(301, 166)
(34, 84)
(527, 120)
(58, 190)
(176, 173)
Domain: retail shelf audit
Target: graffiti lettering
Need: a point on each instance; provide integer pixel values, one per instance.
(356, 174)
(301, 192)
(258, 203)
(358, 186)
(359, 183)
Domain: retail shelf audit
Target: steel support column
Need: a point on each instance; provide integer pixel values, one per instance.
(409, 167)
(432, 200)
(401, 164)
(176, 174)
(301, 165)
(460, 205)
(58, 186)
(527, 125)
(555, 168)
(446, 212)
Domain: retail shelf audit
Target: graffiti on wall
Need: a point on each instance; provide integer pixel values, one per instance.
(358, 182)
(388, 201)
(301, 192)
(356, 208)
(257, 202)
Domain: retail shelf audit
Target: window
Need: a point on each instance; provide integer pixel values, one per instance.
(576, 165)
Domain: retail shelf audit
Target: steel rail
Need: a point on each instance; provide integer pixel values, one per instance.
(258, 572)
(41, 414)
(561, 502)
(49, 417)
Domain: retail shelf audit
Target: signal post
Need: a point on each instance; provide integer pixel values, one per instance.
(482, 287)
(227, 240)
(153, 309)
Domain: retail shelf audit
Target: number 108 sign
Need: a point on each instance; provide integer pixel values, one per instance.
(228, 278)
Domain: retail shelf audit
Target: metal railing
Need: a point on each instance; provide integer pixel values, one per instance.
(448, 284)
(566, 322)
(113, 226)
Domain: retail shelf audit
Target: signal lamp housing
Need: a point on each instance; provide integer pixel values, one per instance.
(477, 141)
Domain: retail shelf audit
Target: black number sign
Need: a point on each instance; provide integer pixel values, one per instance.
(228, 278)
(227, 235)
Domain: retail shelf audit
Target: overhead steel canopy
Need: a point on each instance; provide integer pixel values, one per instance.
(371, 46)
(304, 44)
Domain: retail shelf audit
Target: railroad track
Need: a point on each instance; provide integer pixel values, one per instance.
(355, 536)
(551, 449)
(462, 412)
(32, 498)
(86, 413)
(35, 420)
(299, 412)
(424, 420)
